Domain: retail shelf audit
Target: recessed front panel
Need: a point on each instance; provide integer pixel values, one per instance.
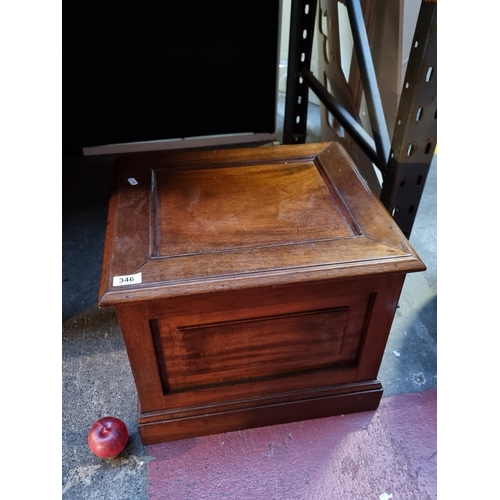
(246, 350)
(195, 356)
(219, 209)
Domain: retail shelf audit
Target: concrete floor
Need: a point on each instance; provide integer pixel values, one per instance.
(372, 455)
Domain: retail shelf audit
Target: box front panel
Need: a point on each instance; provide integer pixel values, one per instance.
(225, 355)
(220, 353)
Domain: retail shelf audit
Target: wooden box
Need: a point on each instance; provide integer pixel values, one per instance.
(252, 286)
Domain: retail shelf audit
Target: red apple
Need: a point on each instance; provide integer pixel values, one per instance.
(108, 437)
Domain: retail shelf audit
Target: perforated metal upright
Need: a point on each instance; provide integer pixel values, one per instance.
(404, 169)
(415, 133)
(302, 24)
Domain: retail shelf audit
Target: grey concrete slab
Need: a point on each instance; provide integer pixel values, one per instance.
(97, 381)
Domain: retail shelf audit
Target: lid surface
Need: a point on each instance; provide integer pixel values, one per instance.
(193, 222)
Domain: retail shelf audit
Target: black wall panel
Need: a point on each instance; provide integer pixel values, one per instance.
(143, 70)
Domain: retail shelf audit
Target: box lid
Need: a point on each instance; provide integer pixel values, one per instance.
(194, 222)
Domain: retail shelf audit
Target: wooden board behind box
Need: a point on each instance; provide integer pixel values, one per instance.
(252, 286)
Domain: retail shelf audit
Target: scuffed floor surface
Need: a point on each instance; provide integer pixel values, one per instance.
(381, 455)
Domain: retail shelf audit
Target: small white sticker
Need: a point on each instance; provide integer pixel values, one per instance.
(131, 279)
(133, 181)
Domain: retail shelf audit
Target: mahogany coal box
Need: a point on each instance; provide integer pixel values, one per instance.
(252, 286)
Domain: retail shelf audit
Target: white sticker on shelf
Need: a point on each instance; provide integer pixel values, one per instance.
(130, 279)
(133, 181)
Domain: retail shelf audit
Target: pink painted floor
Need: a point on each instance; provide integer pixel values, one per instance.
(363, 456)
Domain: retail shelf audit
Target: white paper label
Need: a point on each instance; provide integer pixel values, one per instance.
(133, 181)
(131, 279)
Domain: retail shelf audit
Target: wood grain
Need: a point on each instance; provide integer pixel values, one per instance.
(222, 209)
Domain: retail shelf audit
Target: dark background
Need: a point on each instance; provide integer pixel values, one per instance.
(144, 70)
